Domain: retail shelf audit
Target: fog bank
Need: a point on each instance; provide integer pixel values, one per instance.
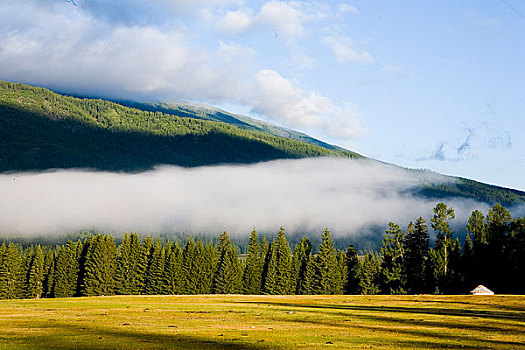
(301, 195)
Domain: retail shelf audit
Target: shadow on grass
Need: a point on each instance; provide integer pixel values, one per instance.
(518, 316)
(91, 338)
(427, 328)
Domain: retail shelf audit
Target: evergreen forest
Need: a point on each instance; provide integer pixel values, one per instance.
(493, 254)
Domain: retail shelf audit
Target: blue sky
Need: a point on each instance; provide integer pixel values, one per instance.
(422, 84)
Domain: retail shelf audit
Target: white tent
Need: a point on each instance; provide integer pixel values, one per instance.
(481, 290)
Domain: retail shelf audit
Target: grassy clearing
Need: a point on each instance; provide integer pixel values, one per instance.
(264, 322)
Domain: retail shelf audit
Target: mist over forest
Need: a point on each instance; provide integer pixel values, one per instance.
(309, 195)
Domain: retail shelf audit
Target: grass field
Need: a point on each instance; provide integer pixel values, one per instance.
(264, 322)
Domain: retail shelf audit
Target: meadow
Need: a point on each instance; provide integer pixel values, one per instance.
(264, 322)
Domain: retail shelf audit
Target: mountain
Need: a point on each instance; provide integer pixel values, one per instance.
(40, 130)
(215, 114)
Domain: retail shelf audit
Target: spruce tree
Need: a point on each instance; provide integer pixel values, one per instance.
(353, 279)
(36, 274)
(11, 273)
(49, 273)
(393, 273)
(252, 272)
(265, 248)
(343, 269)
(146, 249)
(467, 264)
(189, 278)
(210, 267)
(329, 274)
(370, 269)
(154, 277)
(497, 223)
(228, 279)
(203, 269)
(481, 259)
(311, 284)
(283, 265)
(128, 257)
(66, 271)
(417, 247)
(100, 267)
(3, 262)
(173, 271)
(299, 261)
(270, 269)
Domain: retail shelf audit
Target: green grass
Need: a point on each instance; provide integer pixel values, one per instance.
(265, 322)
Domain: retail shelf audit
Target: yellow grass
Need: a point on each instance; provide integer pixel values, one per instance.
(264, 322)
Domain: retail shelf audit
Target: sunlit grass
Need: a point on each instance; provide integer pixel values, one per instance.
(264, 322)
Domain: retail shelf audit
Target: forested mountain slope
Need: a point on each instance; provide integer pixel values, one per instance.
(40, 129)
(215, 114)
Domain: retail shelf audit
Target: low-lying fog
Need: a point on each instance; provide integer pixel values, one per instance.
(308, 195)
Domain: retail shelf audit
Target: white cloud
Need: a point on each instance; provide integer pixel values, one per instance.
(236, 21)
(68, 48)
(280, 100)
(347, 8)
(286, 19)
(345, 51)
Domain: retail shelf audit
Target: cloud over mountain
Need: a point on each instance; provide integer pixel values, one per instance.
(301, 195)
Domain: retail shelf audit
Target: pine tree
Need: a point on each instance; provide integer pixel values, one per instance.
(173, 271)
(299, 261)
(329, 274)
(497, 224)
(10, 272)
(370, 269)
(100, 267)
(393, 273)
(343, 269)
(312, 282)
(468, 262)
(154, 278)
(517, 256)
(455, 279)
(128, 256)
(353, 279)
(252, 272)
(283, 270)
(265, 248)
(66, 271)
(36, 274)
(417, 247)
(3, 268)
(146, 249)
(440, 223)
(49, 273)
(189, 278)
(203, 269)
(481, 259)
(228, 279)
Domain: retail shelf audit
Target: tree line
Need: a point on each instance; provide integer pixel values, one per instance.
(493, 254)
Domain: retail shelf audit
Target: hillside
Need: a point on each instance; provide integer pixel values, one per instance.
(215, 114)
(40, 130)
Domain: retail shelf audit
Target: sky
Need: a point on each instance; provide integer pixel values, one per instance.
(438, 85)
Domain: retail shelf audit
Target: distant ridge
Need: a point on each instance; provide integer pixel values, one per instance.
(40, 130)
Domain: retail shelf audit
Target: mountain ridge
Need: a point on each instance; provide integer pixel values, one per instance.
(41, 130)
